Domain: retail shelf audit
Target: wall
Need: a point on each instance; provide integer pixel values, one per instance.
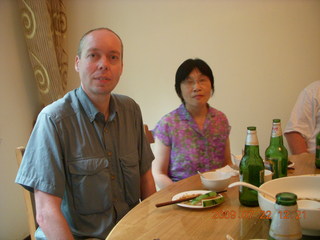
(262, 54)
(19, 106)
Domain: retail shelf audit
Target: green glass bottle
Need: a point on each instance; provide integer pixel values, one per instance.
(251, 169)
(318, 150)
(276, 154)
(285, 224)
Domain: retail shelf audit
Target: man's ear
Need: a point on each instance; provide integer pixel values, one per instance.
(76, 64)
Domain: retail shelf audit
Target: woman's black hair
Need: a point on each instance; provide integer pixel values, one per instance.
(186, 68)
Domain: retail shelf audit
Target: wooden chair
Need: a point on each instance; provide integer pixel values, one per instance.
(29, 199)
(148, 133)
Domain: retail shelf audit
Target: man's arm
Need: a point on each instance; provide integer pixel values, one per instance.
(296, 142)
(50, 217)
(147, 185)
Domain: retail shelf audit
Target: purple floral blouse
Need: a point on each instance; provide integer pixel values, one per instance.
(193, 149)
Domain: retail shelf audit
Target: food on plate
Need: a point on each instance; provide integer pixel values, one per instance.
(204, 200)
(208, 195)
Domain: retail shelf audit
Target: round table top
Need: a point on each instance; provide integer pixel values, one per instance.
(146, 221)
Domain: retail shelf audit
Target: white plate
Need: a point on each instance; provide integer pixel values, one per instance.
(182, 194)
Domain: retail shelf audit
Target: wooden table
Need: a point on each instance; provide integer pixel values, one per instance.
(172, 222)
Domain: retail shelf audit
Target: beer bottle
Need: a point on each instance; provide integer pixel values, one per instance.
(276, 154)
(285, 224)
(251, 169)
(318, 150)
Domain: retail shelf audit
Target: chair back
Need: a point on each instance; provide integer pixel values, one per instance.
(29, 199)
(148, 134)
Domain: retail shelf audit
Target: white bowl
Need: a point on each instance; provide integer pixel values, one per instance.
(267, 175)
(303, 186)
(215, 181)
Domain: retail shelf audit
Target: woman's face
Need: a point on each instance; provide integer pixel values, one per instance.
(196, 89)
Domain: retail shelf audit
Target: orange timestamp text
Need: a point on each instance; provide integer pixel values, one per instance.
(243, 214)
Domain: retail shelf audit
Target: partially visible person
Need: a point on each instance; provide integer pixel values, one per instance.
(87, 159)
(195, 136)
(304, 122)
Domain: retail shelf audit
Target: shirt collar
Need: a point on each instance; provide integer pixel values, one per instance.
(185, 115)
(89, 107)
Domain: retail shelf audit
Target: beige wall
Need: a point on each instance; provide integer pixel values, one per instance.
(18, 107)
(262, 54)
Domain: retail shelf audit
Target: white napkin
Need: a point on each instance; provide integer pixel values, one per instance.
(229, 170)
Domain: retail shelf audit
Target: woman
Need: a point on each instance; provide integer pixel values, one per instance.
(194, 136)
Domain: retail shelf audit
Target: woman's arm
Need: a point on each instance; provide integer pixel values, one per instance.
(227, 153)
(161, 164)
(50, 217)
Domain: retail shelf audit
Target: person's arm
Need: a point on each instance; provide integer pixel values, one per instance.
(227, 153)
(161, 164)
(50, 217)
(296, 142)
(147, 185)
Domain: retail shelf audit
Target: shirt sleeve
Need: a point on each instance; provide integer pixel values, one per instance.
(162, 131)
(302, 118)
(42, 165)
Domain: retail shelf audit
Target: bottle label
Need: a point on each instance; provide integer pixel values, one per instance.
(276, 130)
(252, 139)
(261, 175)
(274, 165)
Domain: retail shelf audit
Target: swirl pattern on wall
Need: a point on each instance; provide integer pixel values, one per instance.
(28, 20)
(45, 26)
(41, 76)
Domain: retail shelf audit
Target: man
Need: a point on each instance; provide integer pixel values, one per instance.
(87, 160)
(304, 122)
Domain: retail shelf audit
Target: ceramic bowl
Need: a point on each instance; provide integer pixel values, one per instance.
(267, 175)
(215, 181)
(307, 186)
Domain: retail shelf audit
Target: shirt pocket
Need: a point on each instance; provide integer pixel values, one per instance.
(91, 187)
(131, 175)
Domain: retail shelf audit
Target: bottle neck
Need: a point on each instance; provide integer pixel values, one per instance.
(252, 144)
(252, 139)
(250, 150)
(276, 134)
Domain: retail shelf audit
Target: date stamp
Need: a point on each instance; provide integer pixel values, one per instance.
(253, 213)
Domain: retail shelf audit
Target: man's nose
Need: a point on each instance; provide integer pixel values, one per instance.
(103, 63)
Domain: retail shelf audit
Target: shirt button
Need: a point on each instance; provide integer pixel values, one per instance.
(113, 177)
(109, 154)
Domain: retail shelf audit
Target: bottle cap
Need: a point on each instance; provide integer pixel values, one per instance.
(276, 120)
(251, 128)
(286, 199)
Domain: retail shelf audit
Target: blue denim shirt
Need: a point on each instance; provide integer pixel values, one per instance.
(92, 164)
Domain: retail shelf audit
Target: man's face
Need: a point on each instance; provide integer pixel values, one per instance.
(100, 64)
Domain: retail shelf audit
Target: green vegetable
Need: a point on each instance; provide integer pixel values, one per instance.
(203, 196)
(212, 202)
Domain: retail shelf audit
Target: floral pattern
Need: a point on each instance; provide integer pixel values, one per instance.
(193, 149)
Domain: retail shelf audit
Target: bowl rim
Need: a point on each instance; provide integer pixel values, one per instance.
(226, 176)
(260, 195)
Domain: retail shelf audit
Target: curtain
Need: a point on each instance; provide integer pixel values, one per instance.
(45, 28)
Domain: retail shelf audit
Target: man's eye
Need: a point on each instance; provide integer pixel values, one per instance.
(92, 55)
(114, 57)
